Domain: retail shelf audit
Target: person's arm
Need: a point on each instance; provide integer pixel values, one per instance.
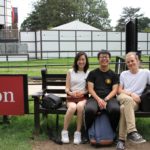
(135, 97)
(75, 94)
(67, 88)
(112, 93)
(101, 103)
(122, 90)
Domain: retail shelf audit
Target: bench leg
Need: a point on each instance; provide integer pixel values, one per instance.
(57, 124)
(6, 119)
(36, 116)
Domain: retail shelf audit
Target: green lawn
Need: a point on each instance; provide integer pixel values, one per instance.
(18, 134)
(33, 67)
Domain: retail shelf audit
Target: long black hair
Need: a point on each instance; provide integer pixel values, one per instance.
(75, 66)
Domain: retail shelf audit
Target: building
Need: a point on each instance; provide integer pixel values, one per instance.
(5, 14)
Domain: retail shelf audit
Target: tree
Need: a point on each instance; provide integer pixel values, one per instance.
(144, 24)
(51, 13)
(127, 14)
(95, 13)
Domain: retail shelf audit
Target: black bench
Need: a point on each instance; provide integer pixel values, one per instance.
(55, 83)
(51, 83)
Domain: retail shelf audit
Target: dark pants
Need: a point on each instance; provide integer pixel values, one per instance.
(92, 108)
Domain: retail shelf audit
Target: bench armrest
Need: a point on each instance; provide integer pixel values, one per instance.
(37, 95)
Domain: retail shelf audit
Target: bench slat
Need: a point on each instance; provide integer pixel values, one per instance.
(142, 114)
(55, 83)
(56, 91)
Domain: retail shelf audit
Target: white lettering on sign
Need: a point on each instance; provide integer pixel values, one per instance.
(7, 97)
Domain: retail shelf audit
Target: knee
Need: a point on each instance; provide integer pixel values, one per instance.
(114, 110)
(90, 111)
(80, 107)
(72, 108)
(126, 100)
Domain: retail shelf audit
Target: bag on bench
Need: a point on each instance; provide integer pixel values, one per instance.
(101, 132)
(51, 101)
(145, 99)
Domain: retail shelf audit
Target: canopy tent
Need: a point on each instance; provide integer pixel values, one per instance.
(75, 25)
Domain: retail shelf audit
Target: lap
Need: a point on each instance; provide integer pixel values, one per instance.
(125, 99)
(76, 104)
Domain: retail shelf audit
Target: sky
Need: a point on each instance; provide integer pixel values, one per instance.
(114, 7)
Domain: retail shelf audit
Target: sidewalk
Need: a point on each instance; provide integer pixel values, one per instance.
(49, 145)
(33, 89)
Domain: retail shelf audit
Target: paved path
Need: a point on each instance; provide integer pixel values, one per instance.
(49, 145)
(34, 88)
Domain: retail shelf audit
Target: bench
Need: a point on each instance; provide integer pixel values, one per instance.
(55, 83)
(51, 83)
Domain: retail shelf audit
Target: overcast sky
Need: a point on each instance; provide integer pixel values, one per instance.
(115, 8)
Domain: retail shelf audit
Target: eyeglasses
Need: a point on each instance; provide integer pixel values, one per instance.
(104, 57)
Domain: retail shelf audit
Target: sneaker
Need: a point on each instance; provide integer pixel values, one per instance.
(135, 137)
(120, 145)
(77, 137)
(64, 136)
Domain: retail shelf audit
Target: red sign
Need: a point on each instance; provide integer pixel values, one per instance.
(12, 95)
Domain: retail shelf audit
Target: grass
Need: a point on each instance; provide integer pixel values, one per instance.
(33, 67)
(18, 135)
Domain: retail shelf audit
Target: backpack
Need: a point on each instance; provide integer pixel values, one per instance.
(101, 132)
(145, 99)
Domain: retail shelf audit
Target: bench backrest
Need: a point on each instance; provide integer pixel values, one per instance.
(53, 83)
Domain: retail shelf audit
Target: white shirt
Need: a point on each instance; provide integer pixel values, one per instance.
(135, 82)
(78, 80)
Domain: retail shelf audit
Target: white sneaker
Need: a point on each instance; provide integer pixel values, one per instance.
(64, 136)
(77, 137)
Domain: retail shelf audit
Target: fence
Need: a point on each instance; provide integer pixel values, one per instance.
(66, 43)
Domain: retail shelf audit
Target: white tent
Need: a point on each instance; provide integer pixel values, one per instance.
(75, 25)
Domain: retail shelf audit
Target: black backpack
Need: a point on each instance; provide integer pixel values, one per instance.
(145, 99)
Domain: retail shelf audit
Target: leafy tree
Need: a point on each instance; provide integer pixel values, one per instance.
(127, 14)
(95, 13)
(51, 13)
(144, 24)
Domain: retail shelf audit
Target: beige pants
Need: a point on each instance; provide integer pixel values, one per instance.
(127, 116)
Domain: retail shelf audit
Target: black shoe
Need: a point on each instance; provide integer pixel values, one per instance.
(85, 138)
(135, 137)
(120, 145)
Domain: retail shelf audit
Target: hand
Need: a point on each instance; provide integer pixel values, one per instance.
(136, 97)
(79, 94)
(102, 104)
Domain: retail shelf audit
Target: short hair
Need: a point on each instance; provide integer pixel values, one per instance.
(75, 66)
(103, 52)
(132, 53)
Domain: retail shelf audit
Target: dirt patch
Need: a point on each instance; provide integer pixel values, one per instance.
(50, 145)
